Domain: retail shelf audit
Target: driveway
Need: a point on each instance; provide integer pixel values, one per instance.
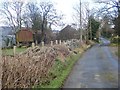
(97, 68)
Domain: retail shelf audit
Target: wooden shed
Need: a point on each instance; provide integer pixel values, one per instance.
(25, 36)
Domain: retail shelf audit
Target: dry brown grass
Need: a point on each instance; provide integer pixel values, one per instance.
(31, 67)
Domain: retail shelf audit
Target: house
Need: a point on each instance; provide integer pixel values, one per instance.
(7, 38)
(68, 33)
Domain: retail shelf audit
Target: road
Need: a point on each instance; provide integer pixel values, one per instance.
(97, 68)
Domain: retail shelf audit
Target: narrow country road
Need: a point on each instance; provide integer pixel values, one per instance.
(97, 68)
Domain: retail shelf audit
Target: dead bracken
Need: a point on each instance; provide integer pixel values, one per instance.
(28, 68)
(31, 67)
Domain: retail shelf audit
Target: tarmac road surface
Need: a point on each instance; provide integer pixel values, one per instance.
(97, 68)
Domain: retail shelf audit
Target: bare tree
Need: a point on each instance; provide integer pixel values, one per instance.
(111, 8)
(78, 16)
(42, 16)
(31, 14)
(49, 15)
(12, 11)
(82, 14)
(32, 18)
(86, 20)
(36, 16)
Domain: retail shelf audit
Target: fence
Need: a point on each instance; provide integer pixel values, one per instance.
(73, 43)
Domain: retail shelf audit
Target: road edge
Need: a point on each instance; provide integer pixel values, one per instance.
(81, 54)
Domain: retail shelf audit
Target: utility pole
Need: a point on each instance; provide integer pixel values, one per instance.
(90, 30)
(80, 24)
(87, 22)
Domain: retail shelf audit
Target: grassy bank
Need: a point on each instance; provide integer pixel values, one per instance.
(116, 45)
(60, 71)
(118, 52)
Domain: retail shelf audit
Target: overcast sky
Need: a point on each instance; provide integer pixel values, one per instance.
(64, 6)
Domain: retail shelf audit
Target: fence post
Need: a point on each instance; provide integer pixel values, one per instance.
(14, 50)
(56, 41)
(18, 43)
(42, 44)
(51, 43)
(60, 42)
(33, 45)
(36, 43)
(64, 42)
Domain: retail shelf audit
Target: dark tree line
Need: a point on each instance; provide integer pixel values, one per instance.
(94, 25)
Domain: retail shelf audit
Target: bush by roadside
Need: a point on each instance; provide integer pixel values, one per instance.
(115, 40)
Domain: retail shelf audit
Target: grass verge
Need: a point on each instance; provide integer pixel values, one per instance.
(59, 72)
(9, 51)
(118, 52)
(117, 45)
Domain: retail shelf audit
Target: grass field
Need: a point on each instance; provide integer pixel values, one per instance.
(10, 51)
